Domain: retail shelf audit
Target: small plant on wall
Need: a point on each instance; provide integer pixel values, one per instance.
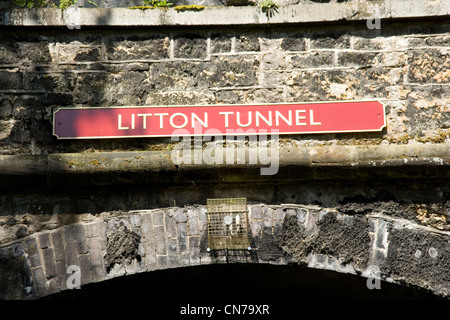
(269, 7)
(158, 3)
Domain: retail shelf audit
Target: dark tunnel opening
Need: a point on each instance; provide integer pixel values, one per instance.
(240, 281)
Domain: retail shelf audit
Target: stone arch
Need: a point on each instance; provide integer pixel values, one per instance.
(116, 244)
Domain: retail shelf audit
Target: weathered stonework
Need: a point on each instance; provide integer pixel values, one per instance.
(115, 244)
(339, 202)
(405, 67)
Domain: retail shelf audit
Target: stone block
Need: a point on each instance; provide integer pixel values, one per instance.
(11, 80)
(192, 222)
(182, 236)
(180, 215)
(15, 250)
(49, 263)
(318, 59)
(162, 261)
(31, 247)
(136, 220)
(44, 240)
(81, 239)
(220, 43)
(330, 41)
(160, 240)
(88, 86)
(71, 254)
(61, 271)
(8, 52)
(158, 218)
(40, 282)
(171, 224)
(148, 47)
(247, 43)
(381, 235)
(267, 218)
(294, 43)
(147, 231)
(37, 51)
(58, 246)
(85, 268)
(184, 259)
(256, 227)
(150, 256)
(75, 53)
(428, 66)
(256, 212)
(53, 286)
(190, 46)
(70, 233)
(194, 250)
(95, 229)
(97, 265)
(357, 59)
(202, 215)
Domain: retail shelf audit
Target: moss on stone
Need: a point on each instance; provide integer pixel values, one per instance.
(192, 7)
(141, 7)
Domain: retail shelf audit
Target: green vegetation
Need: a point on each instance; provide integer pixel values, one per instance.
(61, 4)
(192, 7)
(141, 7)
(269, 7)
(158, 3)
(164, 4)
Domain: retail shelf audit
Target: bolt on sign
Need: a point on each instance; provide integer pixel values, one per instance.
(166, 121)
(227, 224)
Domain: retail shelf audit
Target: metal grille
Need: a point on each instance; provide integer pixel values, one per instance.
(227, 224)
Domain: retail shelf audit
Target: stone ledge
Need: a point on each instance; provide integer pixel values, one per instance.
(157, 167)
(216, 16)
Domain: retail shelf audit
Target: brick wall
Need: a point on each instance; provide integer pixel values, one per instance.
(404, 65)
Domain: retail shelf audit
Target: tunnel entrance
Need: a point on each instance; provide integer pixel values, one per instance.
(241, 282)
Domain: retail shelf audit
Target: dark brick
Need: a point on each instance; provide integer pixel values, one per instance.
(220, 43)
(85, 269)
(138, 48)
(47, 82)
(313, 60)
(362, 59)
(331, 42)
(91, 54)
(37, 52)
(49, 263)
(44, 240)
(232, 71)
(8, 53)
(5, 108)
(294, 43)
(438, 41)
(176, 75)
(367, 44)
(11, 80)
(247, 43)
(89, 88)
(58, 246)
(31, 247)
(190, 46)
(171, 224)
(182, 239)
(71, 251)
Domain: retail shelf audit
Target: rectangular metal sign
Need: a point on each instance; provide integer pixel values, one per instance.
(166, 121)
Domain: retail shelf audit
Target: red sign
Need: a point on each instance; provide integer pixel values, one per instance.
(286, 118)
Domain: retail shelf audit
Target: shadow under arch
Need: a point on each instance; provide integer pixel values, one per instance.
(227, 282)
